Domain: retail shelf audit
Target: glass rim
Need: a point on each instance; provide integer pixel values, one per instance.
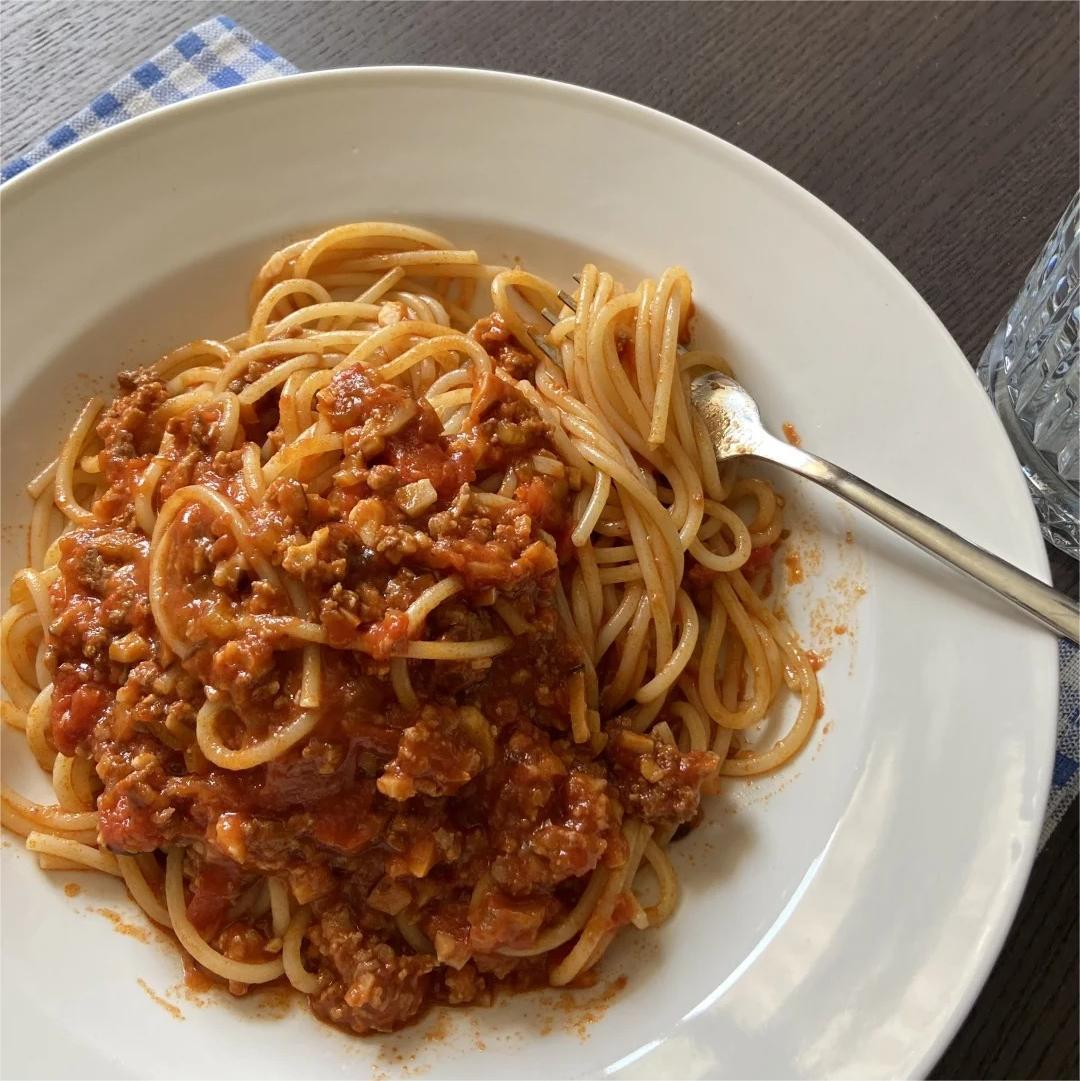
(1038, 469)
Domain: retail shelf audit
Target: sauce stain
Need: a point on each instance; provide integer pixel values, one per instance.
(72, 889)
(195, 980)
(164, 1003)
(439, 1030)
(795, 572)
(192, 997)
(274, 1002)
(791, 434)
(777, 782)
(478, 1042)
(576, 1013)
(122, 926)
(822, 733)
(835, 615)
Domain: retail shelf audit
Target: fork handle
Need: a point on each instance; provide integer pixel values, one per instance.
(1055, 609)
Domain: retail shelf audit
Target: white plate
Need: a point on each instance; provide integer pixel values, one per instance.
(843, 925)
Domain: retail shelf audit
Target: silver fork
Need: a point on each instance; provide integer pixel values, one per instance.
(734, 424)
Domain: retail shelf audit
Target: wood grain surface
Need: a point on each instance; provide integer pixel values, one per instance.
(945, 132)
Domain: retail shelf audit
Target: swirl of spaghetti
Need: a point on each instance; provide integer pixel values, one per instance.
(217, 504)
(192, 941)
(291, 958)
(275, 296)
(402, 630)
(256, 754)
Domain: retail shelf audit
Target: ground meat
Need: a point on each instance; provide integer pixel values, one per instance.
(578, 824)
(99, 599)
(370, 987)
(356, 397)
(445, 800)
(494, 335)
(465, 985)
(125, 427)
(439, 754)
(247, 668)
(335, 553)
(134, 813)
(421, 838)
(503, 425)
(574, 844)
(656, 781)
(504, 922)
(488, 546)
(548, 819)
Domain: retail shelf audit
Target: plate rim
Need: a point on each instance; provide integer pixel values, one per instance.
(1029, 535)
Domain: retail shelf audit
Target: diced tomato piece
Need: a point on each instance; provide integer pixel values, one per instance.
(75, 715)
(348, 821)
(759, 557)
(212, 892)
(545, 509)
(380, 638)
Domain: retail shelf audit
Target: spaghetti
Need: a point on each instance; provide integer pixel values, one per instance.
(382, 646)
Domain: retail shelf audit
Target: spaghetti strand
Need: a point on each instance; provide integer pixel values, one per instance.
(386, 645)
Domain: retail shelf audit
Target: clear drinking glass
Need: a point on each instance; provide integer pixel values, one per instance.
(1032, 370)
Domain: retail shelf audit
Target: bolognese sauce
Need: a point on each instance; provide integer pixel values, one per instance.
(472, 815)
(382, 646)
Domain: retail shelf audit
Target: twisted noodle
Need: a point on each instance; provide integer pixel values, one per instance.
(140, 889)
(218, 752)
(192, 941)
(73, 853)
(663, 567)
(293, 963)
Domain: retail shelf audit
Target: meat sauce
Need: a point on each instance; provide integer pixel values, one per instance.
(472, 818)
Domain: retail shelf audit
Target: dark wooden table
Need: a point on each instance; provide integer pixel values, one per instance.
(946, 133)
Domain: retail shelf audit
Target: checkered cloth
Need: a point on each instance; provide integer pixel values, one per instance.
(1066, 779)
(214, 55)
(217, 54)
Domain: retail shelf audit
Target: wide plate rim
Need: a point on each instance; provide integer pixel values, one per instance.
(1035, 557)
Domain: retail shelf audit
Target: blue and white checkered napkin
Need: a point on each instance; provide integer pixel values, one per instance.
(214, 55)
(1066, 780)
(217, 54)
